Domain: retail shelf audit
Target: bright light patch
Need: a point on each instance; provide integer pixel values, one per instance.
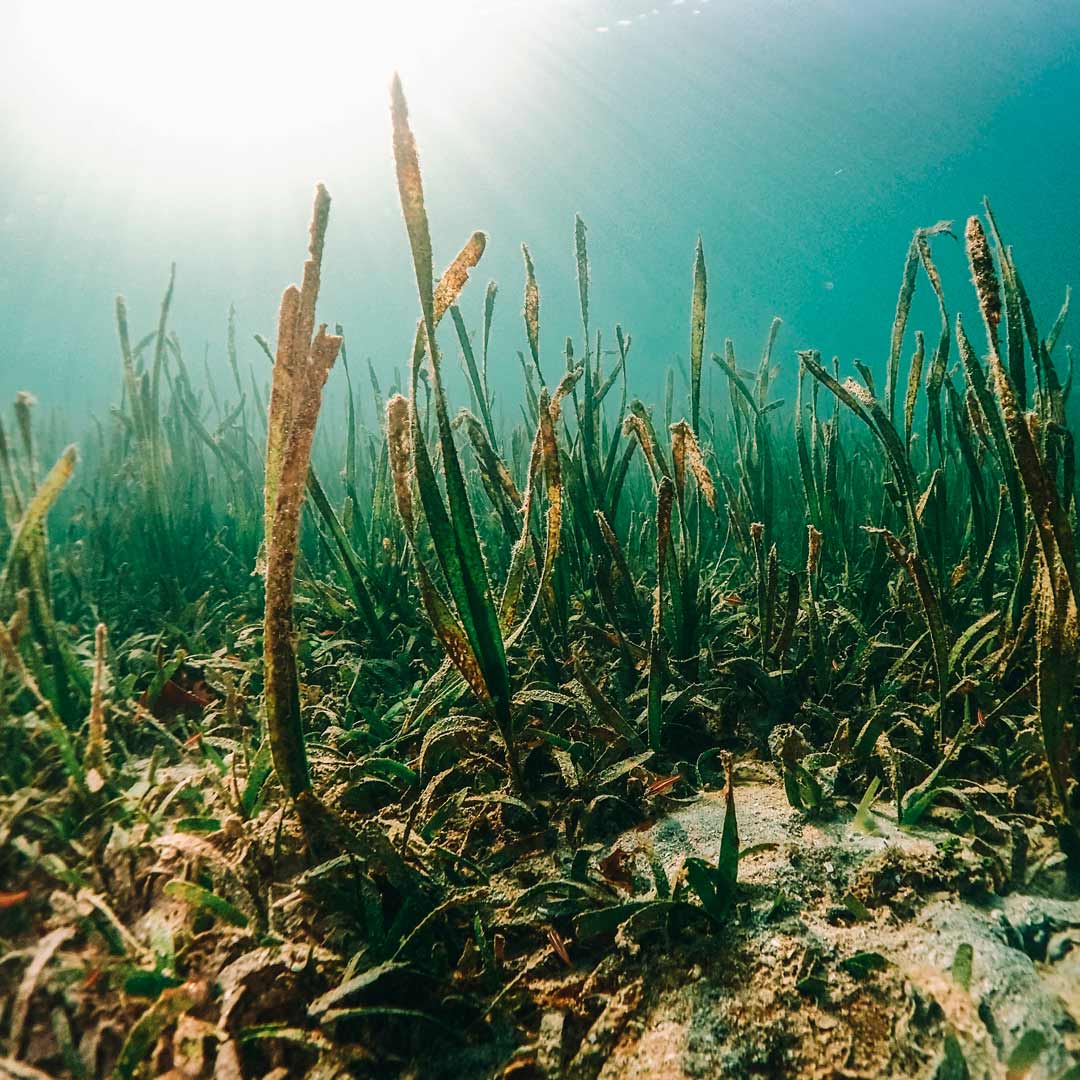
(215, 70)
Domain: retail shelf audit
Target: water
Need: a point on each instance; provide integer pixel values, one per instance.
(228, 647)
(803, 142)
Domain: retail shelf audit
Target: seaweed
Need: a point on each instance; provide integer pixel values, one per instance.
(506, 642)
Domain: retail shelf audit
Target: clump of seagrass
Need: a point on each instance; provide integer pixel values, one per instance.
(301, 366)
(467, 625)
(26, 567)
(1057, 589)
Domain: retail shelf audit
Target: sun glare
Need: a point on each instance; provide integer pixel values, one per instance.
(209, 71)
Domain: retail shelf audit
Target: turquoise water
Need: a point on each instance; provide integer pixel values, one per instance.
(803, 141)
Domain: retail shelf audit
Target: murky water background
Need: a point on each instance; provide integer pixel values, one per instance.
(804, 141)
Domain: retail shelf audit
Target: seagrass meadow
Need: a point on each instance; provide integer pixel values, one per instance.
(565, 736)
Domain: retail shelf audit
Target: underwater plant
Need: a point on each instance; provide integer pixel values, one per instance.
(525, 662)
(473, 638)
(1043, 450)
(304, 358)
